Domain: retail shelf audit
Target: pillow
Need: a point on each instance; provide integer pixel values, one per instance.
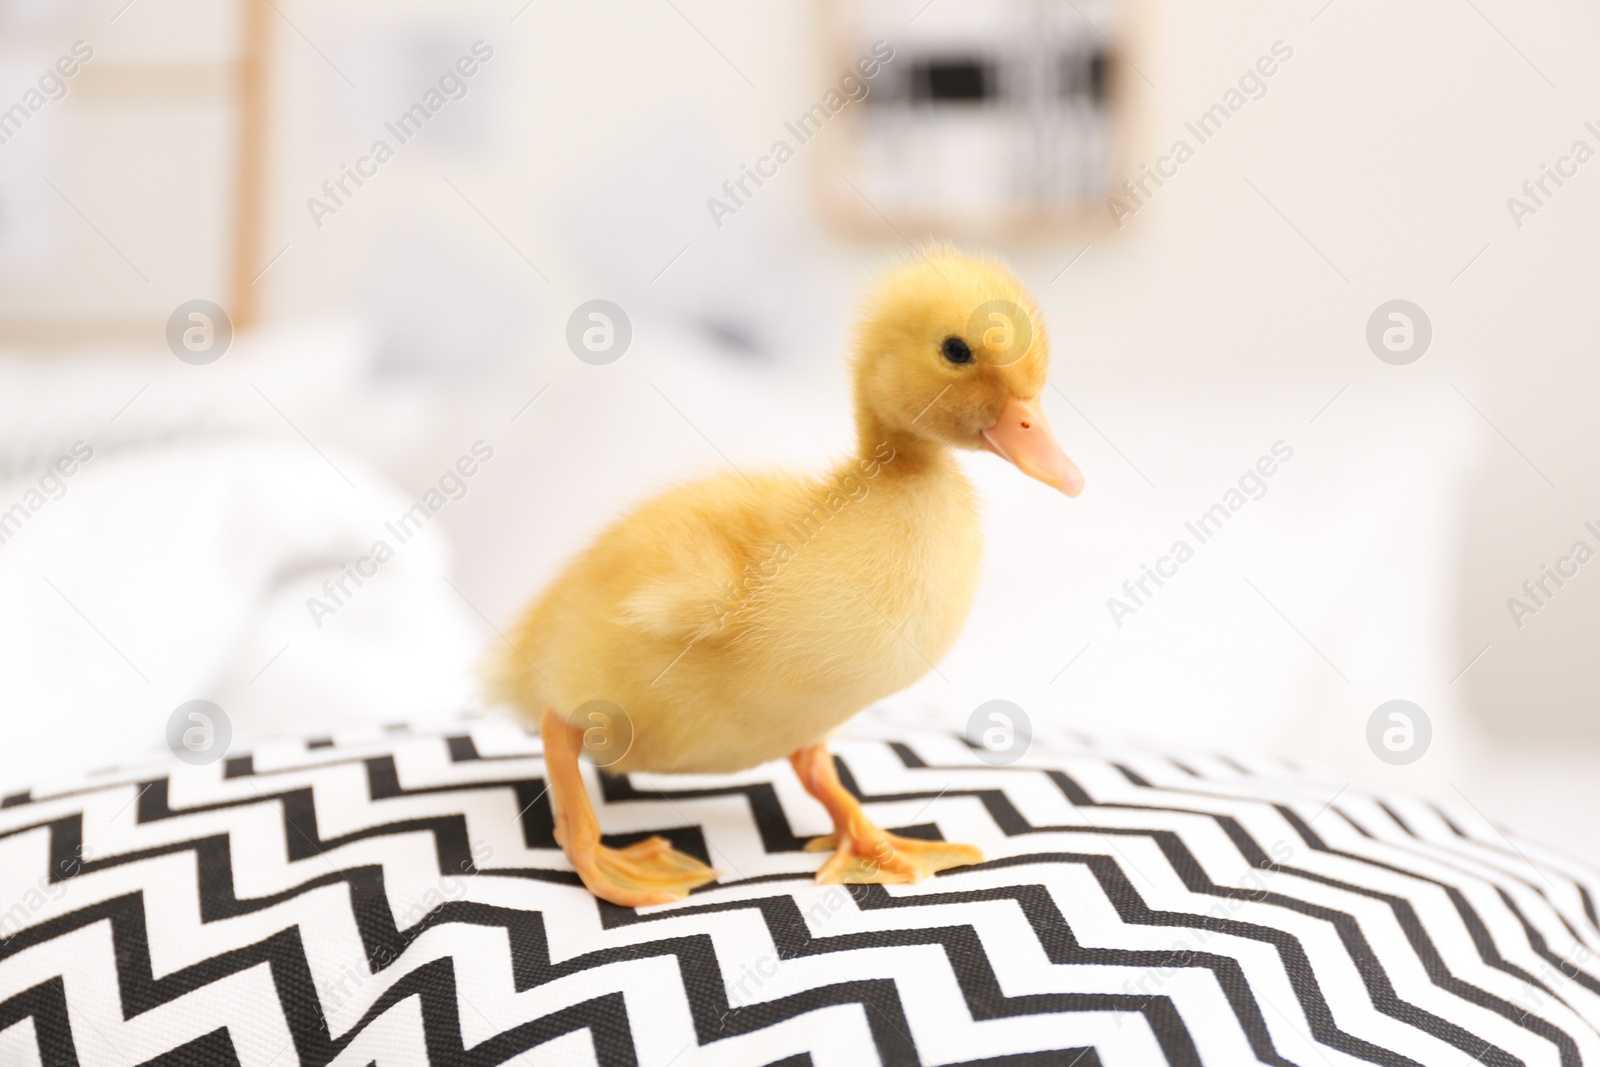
(396, 898)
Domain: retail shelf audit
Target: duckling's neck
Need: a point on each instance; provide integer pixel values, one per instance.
(913, 456)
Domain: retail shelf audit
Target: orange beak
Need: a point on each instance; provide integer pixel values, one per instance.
(1022, 438)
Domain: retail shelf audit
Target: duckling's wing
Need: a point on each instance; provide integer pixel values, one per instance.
(699, 559)
(694, 598)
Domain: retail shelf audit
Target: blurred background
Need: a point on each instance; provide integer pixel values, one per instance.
(276, 274)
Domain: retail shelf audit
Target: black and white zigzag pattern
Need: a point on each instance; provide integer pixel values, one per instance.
(399, 900)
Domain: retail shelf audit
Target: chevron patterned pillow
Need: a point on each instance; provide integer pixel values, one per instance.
(397, 899)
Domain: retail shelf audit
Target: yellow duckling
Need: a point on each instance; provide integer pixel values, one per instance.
(737, 620)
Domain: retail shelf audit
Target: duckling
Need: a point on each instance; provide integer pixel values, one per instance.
(740, 619)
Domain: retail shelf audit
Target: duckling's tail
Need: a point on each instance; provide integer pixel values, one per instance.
(509, 676)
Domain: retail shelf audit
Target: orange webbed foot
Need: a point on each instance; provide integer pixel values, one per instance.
(863, 853)
(647, 872)
(644, 873)
(877, 857)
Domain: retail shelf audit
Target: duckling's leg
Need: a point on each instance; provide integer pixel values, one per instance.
(863, 852)
(648, 872)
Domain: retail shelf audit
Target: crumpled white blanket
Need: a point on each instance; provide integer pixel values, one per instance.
(149, 577)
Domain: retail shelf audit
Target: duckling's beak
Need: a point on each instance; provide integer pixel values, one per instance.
(1022, 438)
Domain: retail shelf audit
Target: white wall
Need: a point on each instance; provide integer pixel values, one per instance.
(1376, 166)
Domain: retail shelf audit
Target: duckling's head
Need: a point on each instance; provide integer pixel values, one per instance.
(950, 350)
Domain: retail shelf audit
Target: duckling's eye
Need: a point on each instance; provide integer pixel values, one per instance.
(956, 350)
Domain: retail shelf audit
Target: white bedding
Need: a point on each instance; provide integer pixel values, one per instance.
(156, 575)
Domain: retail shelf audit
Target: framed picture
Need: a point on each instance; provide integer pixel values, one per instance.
(132, 167)
(998, 118)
